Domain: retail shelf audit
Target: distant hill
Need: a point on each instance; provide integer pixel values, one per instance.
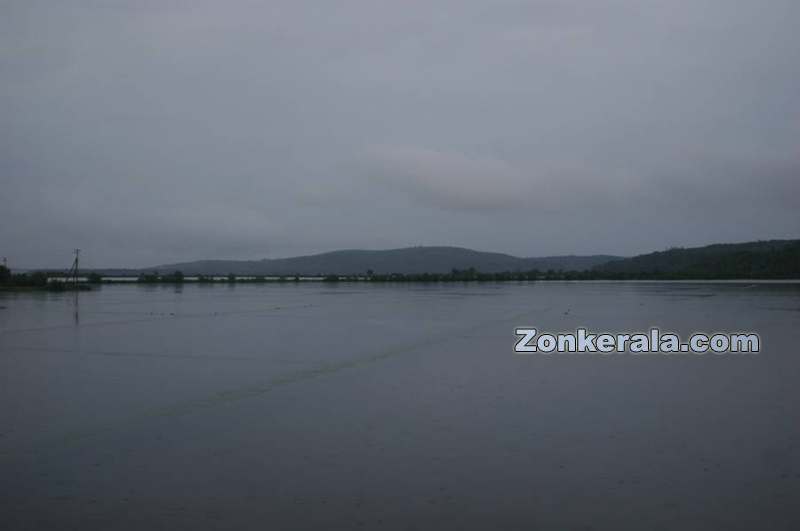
(761, 259)
(771, 259)
(408, 260)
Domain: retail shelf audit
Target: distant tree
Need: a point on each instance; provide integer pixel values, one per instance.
(148, 278)
(94, 278)
(231, 277)
(37, 278)
(370, 272)
(5, 274)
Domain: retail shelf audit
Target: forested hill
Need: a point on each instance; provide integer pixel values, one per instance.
(411, 260)
(761, 259)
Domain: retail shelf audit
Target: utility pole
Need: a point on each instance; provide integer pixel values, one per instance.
(75, 266)
(75, 269)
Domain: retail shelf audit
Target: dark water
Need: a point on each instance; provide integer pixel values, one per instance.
(394, 407)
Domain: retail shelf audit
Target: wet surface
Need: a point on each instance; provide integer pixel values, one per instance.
(394, 407)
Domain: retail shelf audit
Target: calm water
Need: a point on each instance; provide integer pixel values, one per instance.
(394, 407)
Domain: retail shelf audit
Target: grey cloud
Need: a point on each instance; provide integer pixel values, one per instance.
(450, 180)
(157, 131)
(456, 181)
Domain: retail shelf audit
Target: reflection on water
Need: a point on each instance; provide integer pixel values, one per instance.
(394, 406)
(77, 312)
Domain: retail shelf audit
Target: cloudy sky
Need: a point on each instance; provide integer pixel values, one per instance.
(147, 132)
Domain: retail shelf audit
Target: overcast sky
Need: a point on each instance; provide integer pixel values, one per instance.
(148, 132)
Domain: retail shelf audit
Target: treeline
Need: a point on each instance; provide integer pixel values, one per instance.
(177, 277)
(154, 278)
(39, 280)
(36, 279)
(775, 259)
(456, 275)
(770, 267)
(471, 274)
(43, 280)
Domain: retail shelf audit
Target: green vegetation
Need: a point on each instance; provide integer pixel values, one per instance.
(28, 280)
(150, 278)
(411, 260)
(154, 278)
(35, 280)
(774, 259)
(457, 275)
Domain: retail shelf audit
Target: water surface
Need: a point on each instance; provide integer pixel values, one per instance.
(353, 405)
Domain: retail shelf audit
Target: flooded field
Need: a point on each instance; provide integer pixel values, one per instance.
(347, 406)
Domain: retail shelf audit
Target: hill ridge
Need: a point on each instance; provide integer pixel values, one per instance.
(407, 260)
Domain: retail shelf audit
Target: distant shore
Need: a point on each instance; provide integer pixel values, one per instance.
(759, 260)
(87, 283)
